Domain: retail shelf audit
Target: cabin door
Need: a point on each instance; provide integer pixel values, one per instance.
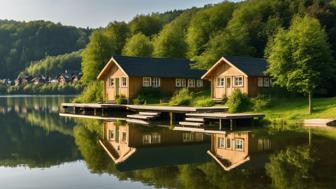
(228, 87)
(117, 83)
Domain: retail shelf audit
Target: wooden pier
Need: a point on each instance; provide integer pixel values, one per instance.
(319, 122)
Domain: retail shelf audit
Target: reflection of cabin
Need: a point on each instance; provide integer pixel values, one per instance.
(136, 147)
(233, 149)
(126, 76)
(244, 73)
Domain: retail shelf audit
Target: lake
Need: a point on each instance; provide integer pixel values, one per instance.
(39, 149)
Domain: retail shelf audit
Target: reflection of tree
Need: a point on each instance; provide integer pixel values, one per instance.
(22, 144)
(290, 168)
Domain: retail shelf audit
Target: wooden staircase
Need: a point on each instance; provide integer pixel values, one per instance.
(144, 115)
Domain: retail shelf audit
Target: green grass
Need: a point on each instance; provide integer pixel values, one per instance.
(296, 109)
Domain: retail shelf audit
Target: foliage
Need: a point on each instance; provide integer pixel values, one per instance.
(237, 102)
(54, 65)
(148, 95)
(120, 99)
(204, 101)
(300, 58)
(146, 24)
(170, 42)
(93, 92)
(45, 89)
(138, 45)
(24, 42)
(103, 44)
(290, 167)
(181, 97)
(260, 102)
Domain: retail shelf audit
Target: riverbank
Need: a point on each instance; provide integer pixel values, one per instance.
(295, 110)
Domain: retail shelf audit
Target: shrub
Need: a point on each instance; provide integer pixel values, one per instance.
(181, 97)
(92, 93)
(261, 102)
(120, 99)
(237, 102)
(224, 99)
(203, 101)
(148, 95)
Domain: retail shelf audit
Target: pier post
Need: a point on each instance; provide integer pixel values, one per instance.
(231, 124)
(220, 124)
(171, 118)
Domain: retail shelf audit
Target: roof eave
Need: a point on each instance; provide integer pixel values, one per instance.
(107, 66)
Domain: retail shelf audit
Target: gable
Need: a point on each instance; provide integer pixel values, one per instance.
(112, 67)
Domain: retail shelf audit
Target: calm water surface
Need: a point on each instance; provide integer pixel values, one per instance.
(39, 149)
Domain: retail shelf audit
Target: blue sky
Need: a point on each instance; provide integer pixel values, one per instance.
(89, 13)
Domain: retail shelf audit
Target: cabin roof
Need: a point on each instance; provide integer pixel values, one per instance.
(154, 67)
(251, 66)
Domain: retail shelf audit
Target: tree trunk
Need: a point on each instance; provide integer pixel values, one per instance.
(310, 102)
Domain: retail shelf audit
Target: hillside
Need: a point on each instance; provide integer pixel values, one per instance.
(24, 42)
(53, 65)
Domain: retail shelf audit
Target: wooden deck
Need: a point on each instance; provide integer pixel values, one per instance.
(319, 122)
(176, 109)
(225, 115)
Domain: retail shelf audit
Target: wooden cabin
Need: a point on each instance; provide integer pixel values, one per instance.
(233, 149)
(126, 76)
(232, 72)
(135, 147)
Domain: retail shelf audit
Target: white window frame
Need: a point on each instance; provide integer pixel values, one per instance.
(220, 81)
(266, 82)
(191, 83)
(239, 144)
(110, 82)
(187, 137)
(156, 82)
(199, 83)
(146, 139)
(178, 82)
(260, 82)
(221, 142)
(238, 81)
(183, 82)
(146, 82)
(123, 81)
(156, 138)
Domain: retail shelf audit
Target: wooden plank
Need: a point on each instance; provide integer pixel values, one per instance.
(225, 115)
(187, 123)
(138, 116)
(319, 122)
(195, 119)
(178, 109)
(149, 113)
(137, 121)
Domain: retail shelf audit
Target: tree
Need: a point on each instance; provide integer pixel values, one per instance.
(300, 57)
(171, 40)
(138, 45)
(146, 24)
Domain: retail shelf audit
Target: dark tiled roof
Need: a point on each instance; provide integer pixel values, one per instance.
(249, 65)
(158, 67)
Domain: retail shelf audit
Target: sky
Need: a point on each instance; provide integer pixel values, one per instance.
(89, 13)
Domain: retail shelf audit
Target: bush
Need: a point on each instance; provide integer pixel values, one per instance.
(237, 102)
(120, 99)
(181, 97)
(203, 101)
(261, 102)
(92, 93)
(148, 95)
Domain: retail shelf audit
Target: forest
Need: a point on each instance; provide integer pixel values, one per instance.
(22, 43)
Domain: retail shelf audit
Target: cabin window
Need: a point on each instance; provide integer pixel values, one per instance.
(228, 143)
(111, 82)
(124, 137)
(221, 143)
(146, 81)
(260, 82)
(178, 82)
(124, 82)
(220, 82)
(199, 83)
(184, 83)
(238, 81)
(146, 139)
(110, 134)
(156, 138)
(239, 144)
(198, 136)
(266, 82)
(187, 137)
(191, 83)
(155, 82)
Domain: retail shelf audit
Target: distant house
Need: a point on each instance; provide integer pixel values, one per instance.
(232, 72)
(128, 75)
(39, 80)
(76, 77)
(64, 78)
(23, 80)
(138, 147)
(233, 149)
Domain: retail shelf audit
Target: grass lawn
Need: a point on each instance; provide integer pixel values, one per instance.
(296, 109)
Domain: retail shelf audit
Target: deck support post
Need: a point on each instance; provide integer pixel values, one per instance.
(171, 117)
(220, 124)
(231, 124)
(95, 111)
(102, 112)
(310, 137)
